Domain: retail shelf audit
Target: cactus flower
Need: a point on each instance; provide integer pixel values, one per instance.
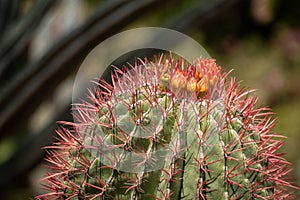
(168, 129)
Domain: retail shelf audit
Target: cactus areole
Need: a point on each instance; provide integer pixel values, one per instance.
(168, 129)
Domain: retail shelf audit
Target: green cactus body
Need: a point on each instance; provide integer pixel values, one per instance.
(169, 132)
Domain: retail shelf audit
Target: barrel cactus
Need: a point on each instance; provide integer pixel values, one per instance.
(168, 129)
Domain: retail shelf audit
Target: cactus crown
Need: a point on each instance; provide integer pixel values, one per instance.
(168, 130)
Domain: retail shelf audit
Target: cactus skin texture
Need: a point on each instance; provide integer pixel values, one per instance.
(233, 154)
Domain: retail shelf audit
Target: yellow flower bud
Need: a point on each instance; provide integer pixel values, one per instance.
(213, 80)
(164, 79)
(179, 80)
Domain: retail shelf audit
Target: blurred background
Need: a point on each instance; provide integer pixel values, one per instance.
(43, 42)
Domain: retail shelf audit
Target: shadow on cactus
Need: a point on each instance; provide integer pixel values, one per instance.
(168, 129)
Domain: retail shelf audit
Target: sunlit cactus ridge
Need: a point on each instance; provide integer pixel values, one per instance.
(168, 129)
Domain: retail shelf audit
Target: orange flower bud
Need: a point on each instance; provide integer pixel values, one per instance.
(202, 86)
(192, 85)
(198, 74)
